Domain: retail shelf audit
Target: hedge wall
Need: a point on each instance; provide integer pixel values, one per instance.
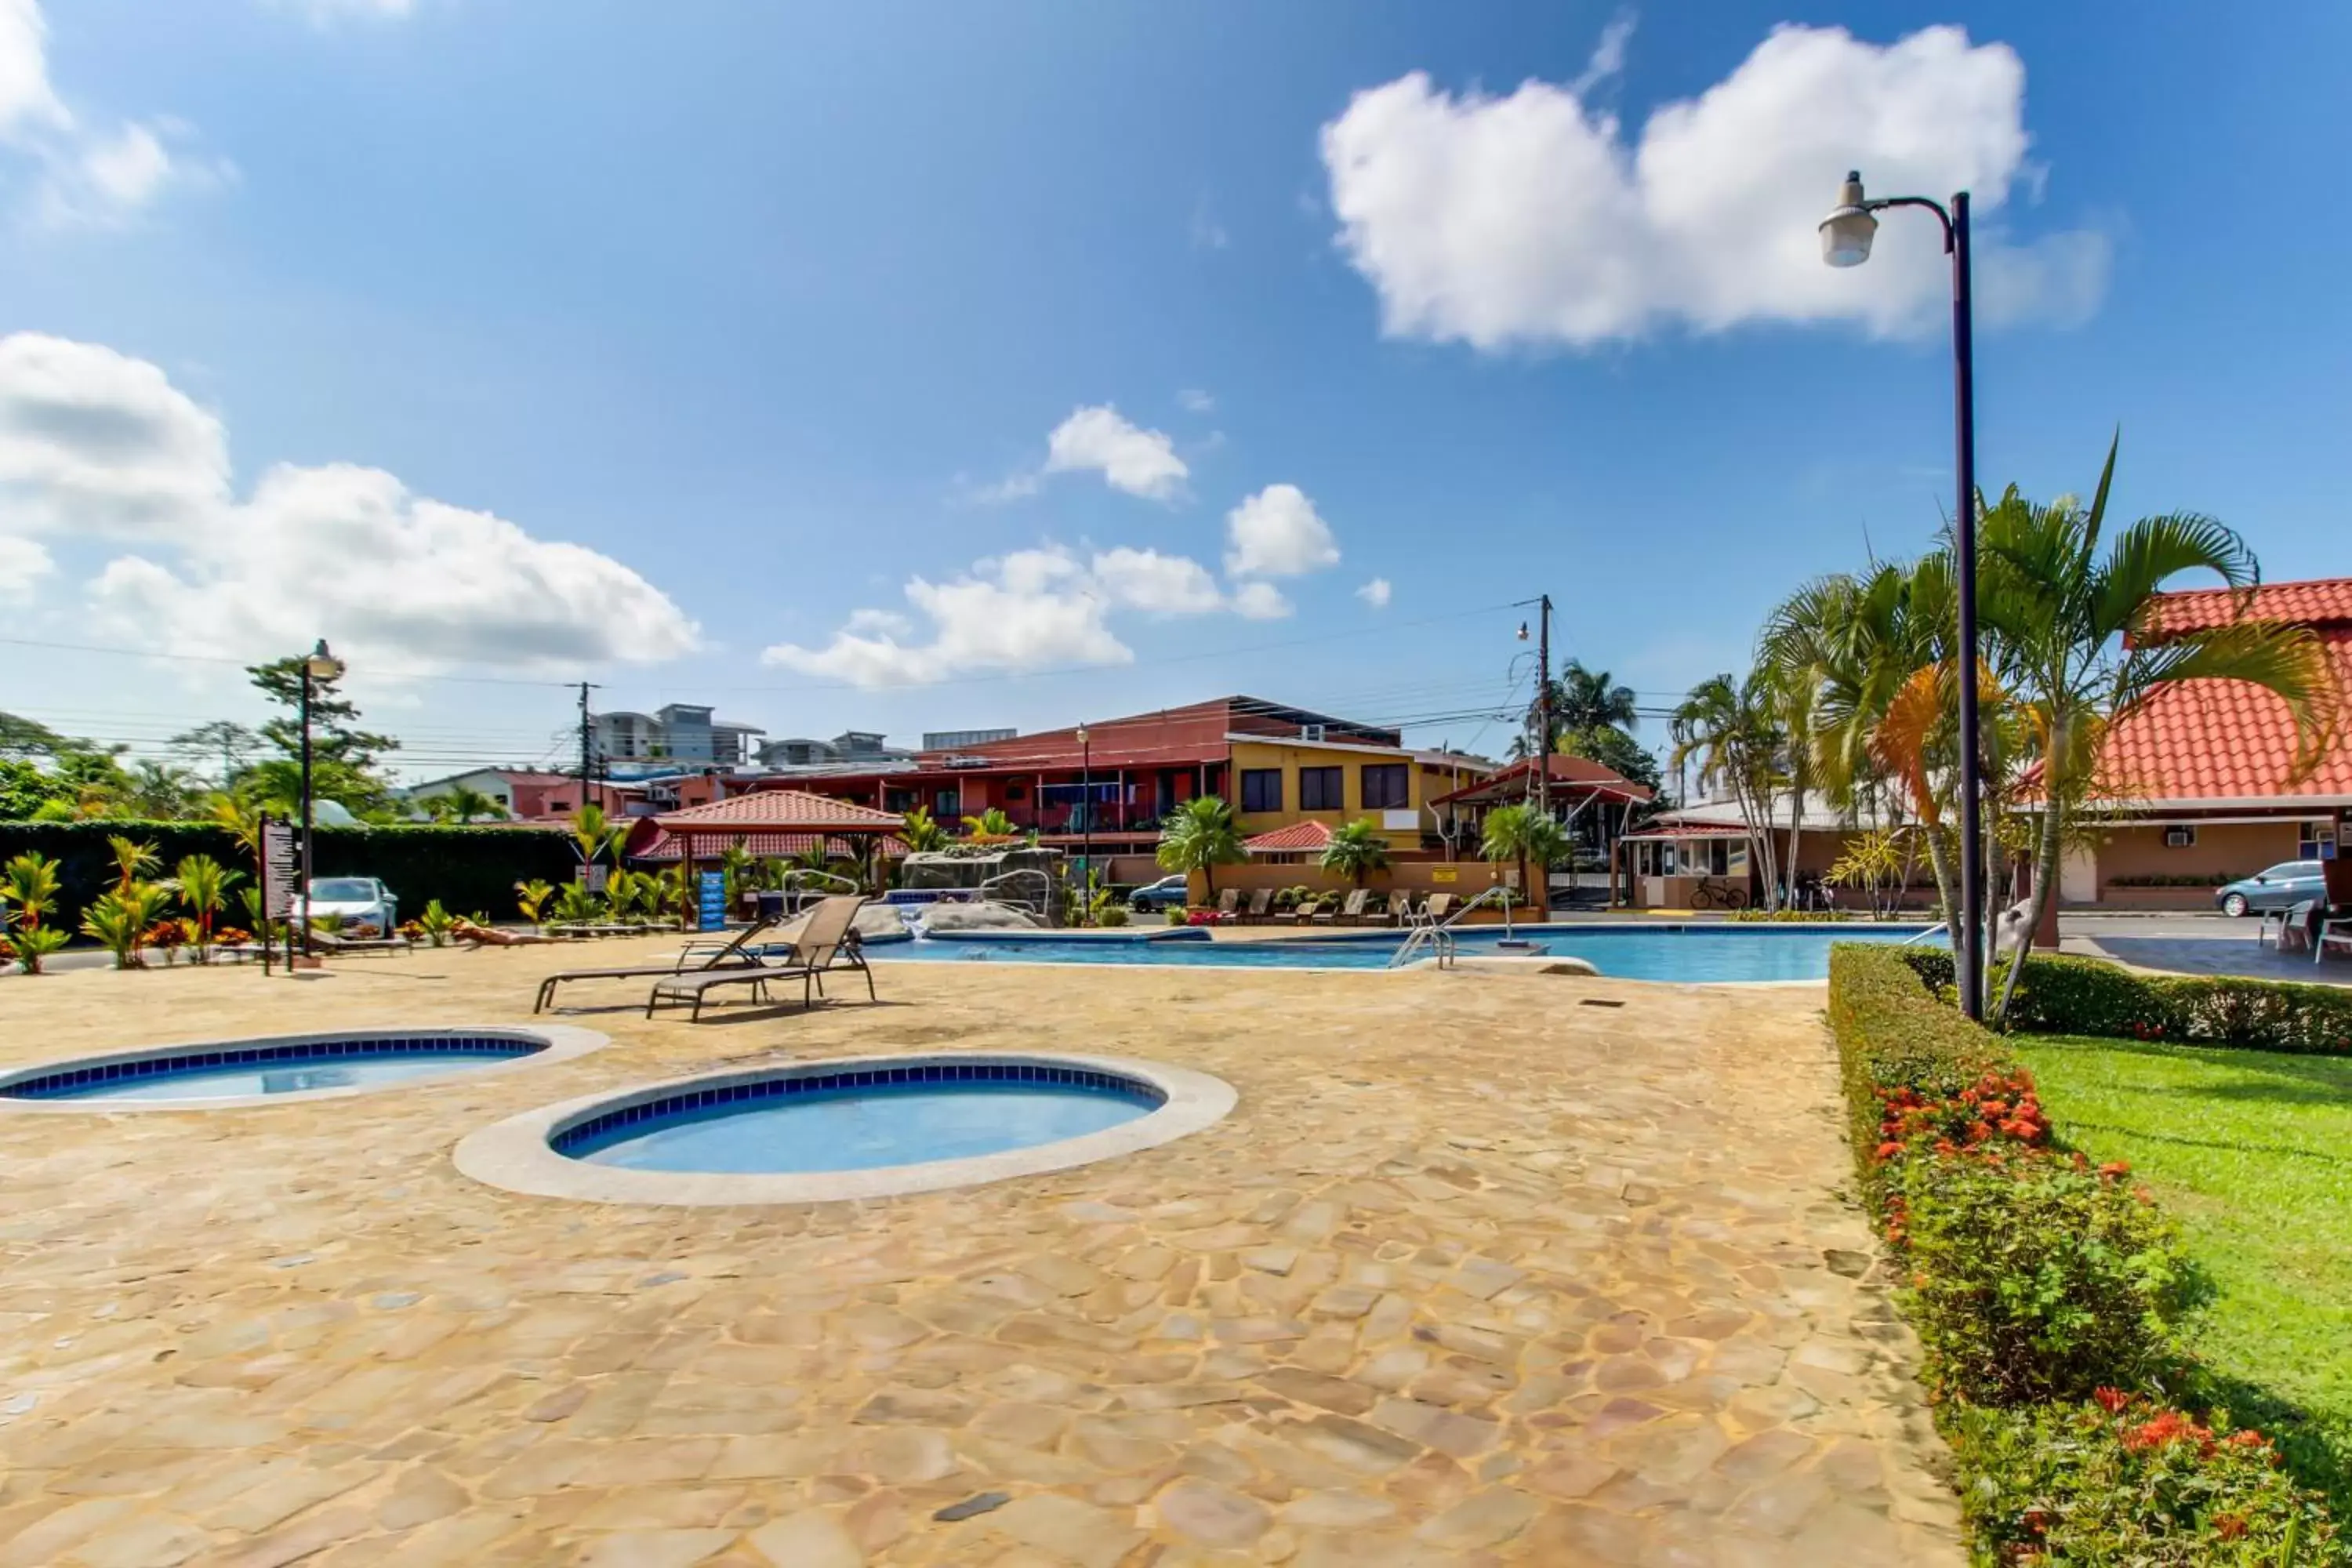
(2064, 995)
(468, 869)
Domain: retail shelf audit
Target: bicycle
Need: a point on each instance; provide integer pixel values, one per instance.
(1710, 894)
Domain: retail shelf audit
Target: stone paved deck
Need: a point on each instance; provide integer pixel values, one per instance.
(1473, 1275)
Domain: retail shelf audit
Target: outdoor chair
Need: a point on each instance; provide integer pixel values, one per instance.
(829, 940)
(2295, 925)
(1260, 902)
(731, 954)
(1391, 911)
(1227, 902)
(1437, 909)
(328, 942)
(2334, 926)
(1350, 910)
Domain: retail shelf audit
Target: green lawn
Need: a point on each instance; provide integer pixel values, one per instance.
(2252, 1152)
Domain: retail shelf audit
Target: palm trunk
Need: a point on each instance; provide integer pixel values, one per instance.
(1796, 827)
(1939, 859)
(2045, 882)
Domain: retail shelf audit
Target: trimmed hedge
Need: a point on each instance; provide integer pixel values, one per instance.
(2045, 1293)
(2065, 994)
(468, 869)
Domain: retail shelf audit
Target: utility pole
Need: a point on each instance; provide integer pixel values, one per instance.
(587, 751)
(1543, 708)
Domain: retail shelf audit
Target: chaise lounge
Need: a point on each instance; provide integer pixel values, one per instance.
(829, 940)
(734, 954)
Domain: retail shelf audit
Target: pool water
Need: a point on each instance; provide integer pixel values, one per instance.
(864, 1128)
(1689, 954)
(359, 1070)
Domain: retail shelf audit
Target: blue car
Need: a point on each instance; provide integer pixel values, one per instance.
(1168, 893)
(2284, 885)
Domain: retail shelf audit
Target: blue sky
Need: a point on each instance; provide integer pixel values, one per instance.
(773, 311)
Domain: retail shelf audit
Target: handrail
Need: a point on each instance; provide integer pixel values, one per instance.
(1922, 936)
(1440, 933)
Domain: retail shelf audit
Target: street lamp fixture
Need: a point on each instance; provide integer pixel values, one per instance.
(1846, 234)
(319, 666)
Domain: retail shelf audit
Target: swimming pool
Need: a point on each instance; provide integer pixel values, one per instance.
(224, 1073)
(861, 1121)
(1687, 953)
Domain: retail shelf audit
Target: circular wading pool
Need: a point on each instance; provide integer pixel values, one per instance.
(218, 1074)
(856, 1128)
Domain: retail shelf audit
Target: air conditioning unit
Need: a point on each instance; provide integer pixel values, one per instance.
(2179, 837)
(1310, 732)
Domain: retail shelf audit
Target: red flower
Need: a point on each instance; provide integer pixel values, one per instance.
(2111, 1400)
(1888, 1151)
(2115, 1168)
(2229, 1526)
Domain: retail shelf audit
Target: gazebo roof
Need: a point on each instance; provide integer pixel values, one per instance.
(780, 811)
(1567, 775)
(767, 845)
(1299, 837)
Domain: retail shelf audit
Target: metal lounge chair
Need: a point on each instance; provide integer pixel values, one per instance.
(733, 953)
(829, 941)
(1351, 910)
(330, 942)
(1438, 908)
(1260, 903)
(2295, 925)
(1228, 902)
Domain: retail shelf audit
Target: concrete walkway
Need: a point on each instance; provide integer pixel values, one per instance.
(1475, 1274)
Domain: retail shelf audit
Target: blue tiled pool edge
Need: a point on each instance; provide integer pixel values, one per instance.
(59, 1084)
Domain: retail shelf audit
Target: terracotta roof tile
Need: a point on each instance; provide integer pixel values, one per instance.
(762, 846)
(781, 811)
(2225, 740)
(1291, 840)
(2320, 602)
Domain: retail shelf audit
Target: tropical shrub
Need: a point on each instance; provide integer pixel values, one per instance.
(530, 896)
(2064, 995)
(28, 884)
(1112, 915)
(1357, 849)
(29, 947)
(201, 884)
(575, 903)
(436, 923)
(118, 920)
(1200, 835)
(2116, 1480)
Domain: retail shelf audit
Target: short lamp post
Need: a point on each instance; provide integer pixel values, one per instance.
(1085, 826)
(319, 667)
(1846, 235)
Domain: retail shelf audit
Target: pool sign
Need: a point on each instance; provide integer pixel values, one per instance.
(713, 905)
(279, 869)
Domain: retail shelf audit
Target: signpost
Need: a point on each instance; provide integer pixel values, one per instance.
(278, 880)
(712, 905)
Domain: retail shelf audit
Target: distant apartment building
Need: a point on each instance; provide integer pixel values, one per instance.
(961, 739)
(679, 735)
(851, 748)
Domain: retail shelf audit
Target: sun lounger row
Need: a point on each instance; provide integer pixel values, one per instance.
(821, 938)
(1357, 908)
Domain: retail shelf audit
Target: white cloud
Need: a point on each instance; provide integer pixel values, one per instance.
(1099, 439)
(1161, 585)
(1608, 55)
(83, 177)
(1376, 593)
(1277, 534)
(23, 563)
(1192, 400)
(27, 98)
(1531, 219)
(325, 11)
(1260, 602)
(1033, 609)
(96, 444)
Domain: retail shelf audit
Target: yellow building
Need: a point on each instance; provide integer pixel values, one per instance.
(1279, 782)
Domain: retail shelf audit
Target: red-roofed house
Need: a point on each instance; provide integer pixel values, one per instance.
(2196, 783)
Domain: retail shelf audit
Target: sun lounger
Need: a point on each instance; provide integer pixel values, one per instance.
(1438, 908)
(829, 941)
(1351, 910)
(1390, 910)
(328, 942)
(1260, 902)
(1228, 901)
(701, 956)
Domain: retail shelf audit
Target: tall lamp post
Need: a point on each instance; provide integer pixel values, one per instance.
(318, 666)
(1846, 235)
(1543, 699)
(1085, 825)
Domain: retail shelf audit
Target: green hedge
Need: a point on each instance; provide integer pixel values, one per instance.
(2064, 995)
(468, 869)
(2046, 1293)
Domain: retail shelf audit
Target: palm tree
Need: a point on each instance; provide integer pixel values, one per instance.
(121, 919)
(923, 835)
(132, 857)
(597, 837)
(1357, 849)
(1200, 835)
(991, 823)
(2082, 647)
(1732, 729)
(530, 896)
(1528, 837)
(203, 884)
(465, 804)
(159, 792)
(29, 881)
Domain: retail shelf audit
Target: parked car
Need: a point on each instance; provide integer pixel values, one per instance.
(2287, 883)
(1168, 893)
(350, 902)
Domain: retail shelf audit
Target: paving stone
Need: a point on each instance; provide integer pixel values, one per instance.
(1212, 1515)
(655, 1548)
(807, 1540)
(1086, 1535)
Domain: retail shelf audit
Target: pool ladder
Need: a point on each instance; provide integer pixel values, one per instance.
(1438, 936)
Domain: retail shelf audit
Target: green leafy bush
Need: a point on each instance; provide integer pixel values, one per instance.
(1892, 1035)
(2032, 1278)
(1112, 915)
(2113, 1482)
(2199, 879)
(2065, 994)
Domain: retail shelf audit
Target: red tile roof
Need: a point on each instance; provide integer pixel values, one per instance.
(2210, 740)
(1578, 772)
(782, 811)
(762, 846)
(1298, 838)
(2322, 602)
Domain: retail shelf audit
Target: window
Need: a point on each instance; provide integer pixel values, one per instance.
(2317, 841)
(1385, 786)
(1261, 789)
(1322, 789)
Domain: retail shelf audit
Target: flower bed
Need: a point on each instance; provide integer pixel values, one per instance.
(2045, 1293)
